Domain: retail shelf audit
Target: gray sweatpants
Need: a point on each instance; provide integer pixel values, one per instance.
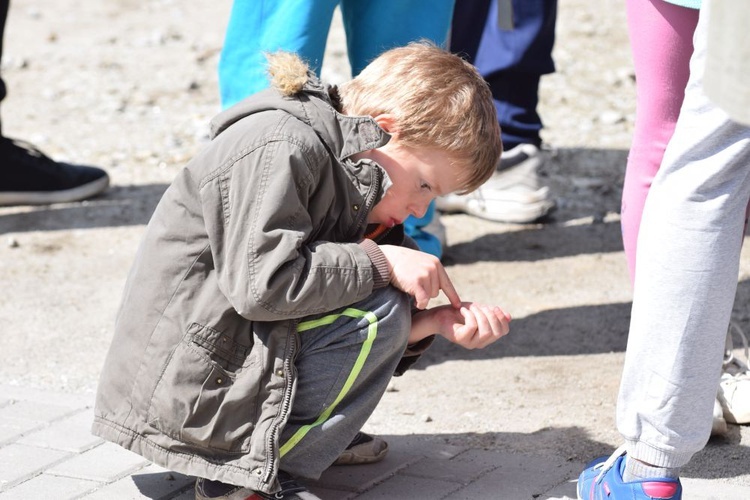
(345, 362)
(686, 279)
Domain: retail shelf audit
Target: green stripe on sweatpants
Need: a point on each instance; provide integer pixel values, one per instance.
(372, 332)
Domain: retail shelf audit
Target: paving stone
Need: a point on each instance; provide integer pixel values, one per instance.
(33, 411)
(567, 488)
(713, 489)
(563, 491)
(69, 434)
(19, 462)
(17, 393)
(148, 483)
(329, 494)
(46, 486)
(403, 451)
(13, 430)
(517, 477)
(104, 463)
(412, 488)
(354, 477)
(462, 468)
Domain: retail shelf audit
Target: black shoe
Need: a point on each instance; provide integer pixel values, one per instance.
(28, 177)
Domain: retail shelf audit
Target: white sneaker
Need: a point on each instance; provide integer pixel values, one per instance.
(512, 194)
(719, 423)
(734, 388)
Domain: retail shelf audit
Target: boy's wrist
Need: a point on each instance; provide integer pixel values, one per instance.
(381, 274)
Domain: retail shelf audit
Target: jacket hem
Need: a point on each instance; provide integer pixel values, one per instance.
(183, 463)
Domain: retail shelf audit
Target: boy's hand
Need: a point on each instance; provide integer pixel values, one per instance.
(481, 326)
(473, 326)
(419, 274)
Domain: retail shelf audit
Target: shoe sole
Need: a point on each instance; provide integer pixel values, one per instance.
(48, 197)
(516, 213)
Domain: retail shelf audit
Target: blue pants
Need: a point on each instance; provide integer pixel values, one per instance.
(301, 26)
(511, 52)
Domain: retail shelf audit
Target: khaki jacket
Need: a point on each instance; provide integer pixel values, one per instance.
(260, 229)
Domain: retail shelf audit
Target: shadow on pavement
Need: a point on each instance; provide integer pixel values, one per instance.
(118, 206)
(538, 243)
(571, 331)
(162, 485)
(468, 456)
(722, 457)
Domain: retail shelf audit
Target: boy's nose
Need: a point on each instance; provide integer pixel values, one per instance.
(419, 211)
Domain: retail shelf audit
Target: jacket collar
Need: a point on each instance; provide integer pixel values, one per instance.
(360, 133)
(345, 135)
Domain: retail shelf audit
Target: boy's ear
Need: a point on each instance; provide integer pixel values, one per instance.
(387, 122)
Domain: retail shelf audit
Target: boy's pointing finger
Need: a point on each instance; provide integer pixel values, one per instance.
(448, 289)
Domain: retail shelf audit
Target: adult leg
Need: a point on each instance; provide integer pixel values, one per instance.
(256, 28)
(661, 76)
(514, 50)
(686, 278)
(511, 52)
(344, 364)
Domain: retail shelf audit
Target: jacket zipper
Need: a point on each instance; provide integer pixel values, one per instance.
(286, 403)
(370, 198)
(292, 349)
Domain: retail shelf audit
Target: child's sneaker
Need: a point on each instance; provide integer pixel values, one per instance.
(602, 480)
(215, 490)
(718, 422)
(734, 388)
(364, 449)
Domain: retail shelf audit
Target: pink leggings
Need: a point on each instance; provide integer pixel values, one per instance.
(661, 38)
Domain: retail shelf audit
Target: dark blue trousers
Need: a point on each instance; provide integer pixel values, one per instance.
(510, 42)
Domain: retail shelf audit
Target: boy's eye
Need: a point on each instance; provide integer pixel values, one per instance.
(426, 186)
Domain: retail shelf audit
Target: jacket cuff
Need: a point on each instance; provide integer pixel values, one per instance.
(381, 274)
(412, 354)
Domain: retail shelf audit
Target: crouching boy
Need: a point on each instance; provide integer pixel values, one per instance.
(274, 293)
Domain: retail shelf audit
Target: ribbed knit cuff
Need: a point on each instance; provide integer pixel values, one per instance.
(381, 274)
(656, 457)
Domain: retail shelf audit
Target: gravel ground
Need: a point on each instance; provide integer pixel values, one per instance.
(131, 85)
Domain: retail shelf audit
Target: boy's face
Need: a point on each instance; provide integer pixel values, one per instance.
(418, 176)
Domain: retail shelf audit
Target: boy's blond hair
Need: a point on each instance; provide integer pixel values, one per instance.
(438, 101)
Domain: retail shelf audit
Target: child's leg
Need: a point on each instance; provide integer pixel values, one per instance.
(344, 364)
(685, 285)
(661, 37)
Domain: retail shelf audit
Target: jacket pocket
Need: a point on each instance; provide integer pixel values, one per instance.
(207, 393)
